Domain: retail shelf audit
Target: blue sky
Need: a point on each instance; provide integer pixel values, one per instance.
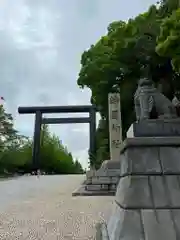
(41, 42)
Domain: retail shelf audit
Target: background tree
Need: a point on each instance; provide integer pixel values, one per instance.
(118, 59)
(169, 38)
(16, 151)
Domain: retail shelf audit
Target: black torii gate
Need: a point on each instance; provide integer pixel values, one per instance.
(39, 120)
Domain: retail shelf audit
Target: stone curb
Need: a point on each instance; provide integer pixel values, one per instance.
(81, 191)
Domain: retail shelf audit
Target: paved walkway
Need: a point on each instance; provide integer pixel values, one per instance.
(43, 209)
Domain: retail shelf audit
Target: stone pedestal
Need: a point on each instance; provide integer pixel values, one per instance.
(104, 181)
(147, 201)
(101, 182)
(155, 128)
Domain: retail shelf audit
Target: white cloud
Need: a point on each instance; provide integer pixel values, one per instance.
(41, 42)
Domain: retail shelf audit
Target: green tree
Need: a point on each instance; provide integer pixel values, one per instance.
(169, 38)
(119, 59)
(7, 132)
(8, 137)
(167, 7)
(77, 166)
(55, 157)
(16, 151)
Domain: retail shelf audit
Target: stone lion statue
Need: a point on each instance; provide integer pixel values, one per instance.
(147, 99)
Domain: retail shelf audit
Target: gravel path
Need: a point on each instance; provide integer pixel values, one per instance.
(43, 209)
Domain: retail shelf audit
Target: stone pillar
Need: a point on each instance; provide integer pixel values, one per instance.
(115, 127)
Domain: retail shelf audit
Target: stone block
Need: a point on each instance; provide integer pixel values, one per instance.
(90, 173)
(108, 172)
(156, 128)
(158, 225)
(105, 187)
(159, 193)
(170, 159)
(150, 142)
(108, 168)
(110, 164)
(88, 180)
(113, 187)
(95, 180)
(134, 192)
(101, 173)
(115, 221)
(95, 187)
(113, 172)
(114, 180)
(125, 165)
(124, 224)
(140, 160)
(173, 189)
(176, 219)
(101, 180)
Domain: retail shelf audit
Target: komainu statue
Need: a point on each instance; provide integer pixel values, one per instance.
(148, 99)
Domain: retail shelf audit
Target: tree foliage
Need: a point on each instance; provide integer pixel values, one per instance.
(125, 54)
(169, 39)
(16, 151)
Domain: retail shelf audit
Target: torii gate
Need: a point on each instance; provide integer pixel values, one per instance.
(39, 120)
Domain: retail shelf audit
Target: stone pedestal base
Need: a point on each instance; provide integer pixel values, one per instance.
(147, 202)
(101, 182)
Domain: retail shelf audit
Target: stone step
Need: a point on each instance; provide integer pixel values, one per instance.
(97, 187)
(82, 191)
(101, 187)
(102, 180)
(107, 173)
